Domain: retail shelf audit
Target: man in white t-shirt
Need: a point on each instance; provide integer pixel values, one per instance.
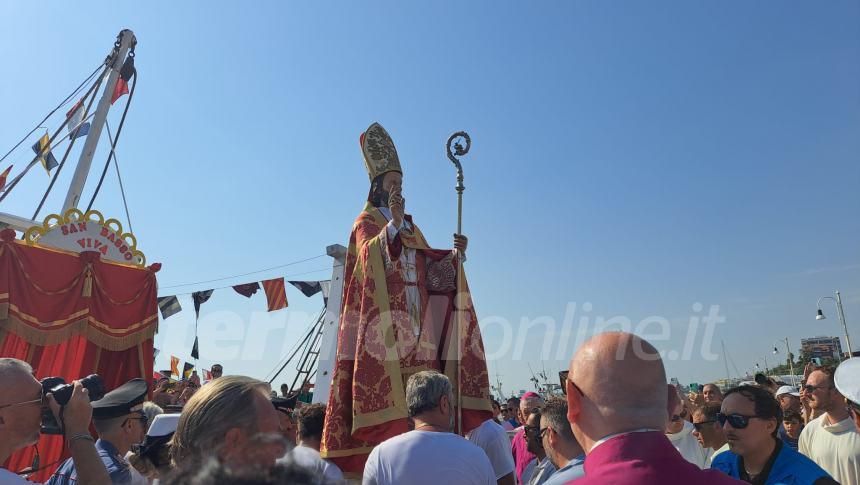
(493, 439)
(20, 419)
(680, 433)
(430, 454)
(307, 453)
(830, 440)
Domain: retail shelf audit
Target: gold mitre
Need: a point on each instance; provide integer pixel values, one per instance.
(380, 156)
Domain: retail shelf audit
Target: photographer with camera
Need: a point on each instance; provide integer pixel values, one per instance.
(21, 404)
(120, 422)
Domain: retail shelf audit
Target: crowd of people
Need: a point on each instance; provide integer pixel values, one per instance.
(619, 422)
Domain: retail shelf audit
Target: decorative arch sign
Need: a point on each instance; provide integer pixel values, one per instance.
(82, 232)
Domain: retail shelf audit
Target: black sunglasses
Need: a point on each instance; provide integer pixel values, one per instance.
(701, 425)
(738, 421)
(810, 389)
(573, 384)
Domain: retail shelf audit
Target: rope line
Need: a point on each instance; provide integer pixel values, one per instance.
(63, 103)
(245, 274)
(73, 137)
(113, 144)
(231, 286)
(119, 177)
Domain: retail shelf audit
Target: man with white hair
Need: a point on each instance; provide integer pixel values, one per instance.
(431, 453)
(21, 405)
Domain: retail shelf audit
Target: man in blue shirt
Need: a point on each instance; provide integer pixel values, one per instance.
(750, 417)
(119, 420)
(561, 446)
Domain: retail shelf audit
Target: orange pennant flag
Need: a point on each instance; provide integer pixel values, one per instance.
(275, 293)
(174, 366)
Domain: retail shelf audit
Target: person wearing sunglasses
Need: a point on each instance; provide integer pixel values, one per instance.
(519, 446)
(541, 468)
(680, 433)
(750, 418)
(561, 446)
(120, 423)
(21, 405)
(831, 440)
(708, 431)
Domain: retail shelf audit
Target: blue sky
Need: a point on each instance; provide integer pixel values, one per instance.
(638, 156)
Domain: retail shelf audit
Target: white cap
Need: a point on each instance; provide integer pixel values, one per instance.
(847, 379)
(787, 390)
(163, 425)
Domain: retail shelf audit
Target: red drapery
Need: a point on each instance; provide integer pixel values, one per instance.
(72, 315)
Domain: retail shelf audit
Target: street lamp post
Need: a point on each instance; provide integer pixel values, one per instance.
(841, 314)
(787, 356)
(766, 370)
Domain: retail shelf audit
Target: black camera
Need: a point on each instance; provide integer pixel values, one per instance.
(62, 392)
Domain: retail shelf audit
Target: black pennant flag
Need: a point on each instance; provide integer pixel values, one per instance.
(309, 288)
(200, 297)
(247, 289)
(169, 306)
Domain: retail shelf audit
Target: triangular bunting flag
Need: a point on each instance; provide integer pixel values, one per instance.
(169, 306)
(247, 289)
(275, 294)
(200, 297)
(186, 370)
(4, 176)
(125, 74)
(326, 289)
(76, 126)
(308, 288)
(174, 366)
(155, 353)
(195, 351)
(43, 150)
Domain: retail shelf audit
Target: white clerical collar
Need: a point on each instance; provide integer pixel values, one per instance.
(607, 438)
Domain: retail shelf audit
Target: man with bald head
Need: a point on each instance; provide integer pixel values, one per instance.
(618, 407)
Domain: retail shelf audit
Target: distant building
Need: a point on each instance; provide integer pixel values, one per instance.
(821, 347)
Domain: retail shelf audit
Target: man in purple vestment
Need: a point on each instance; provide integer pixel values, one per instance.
(618, 406)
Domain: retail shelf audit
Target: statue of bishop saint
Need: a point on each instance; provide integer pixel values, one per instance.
(400, 314)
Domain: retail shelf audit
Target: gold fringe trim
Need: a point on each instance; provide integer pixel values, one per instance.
(82, 328)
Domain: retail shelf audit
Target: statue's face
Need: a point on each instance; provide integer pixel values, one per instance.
(391, 180)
